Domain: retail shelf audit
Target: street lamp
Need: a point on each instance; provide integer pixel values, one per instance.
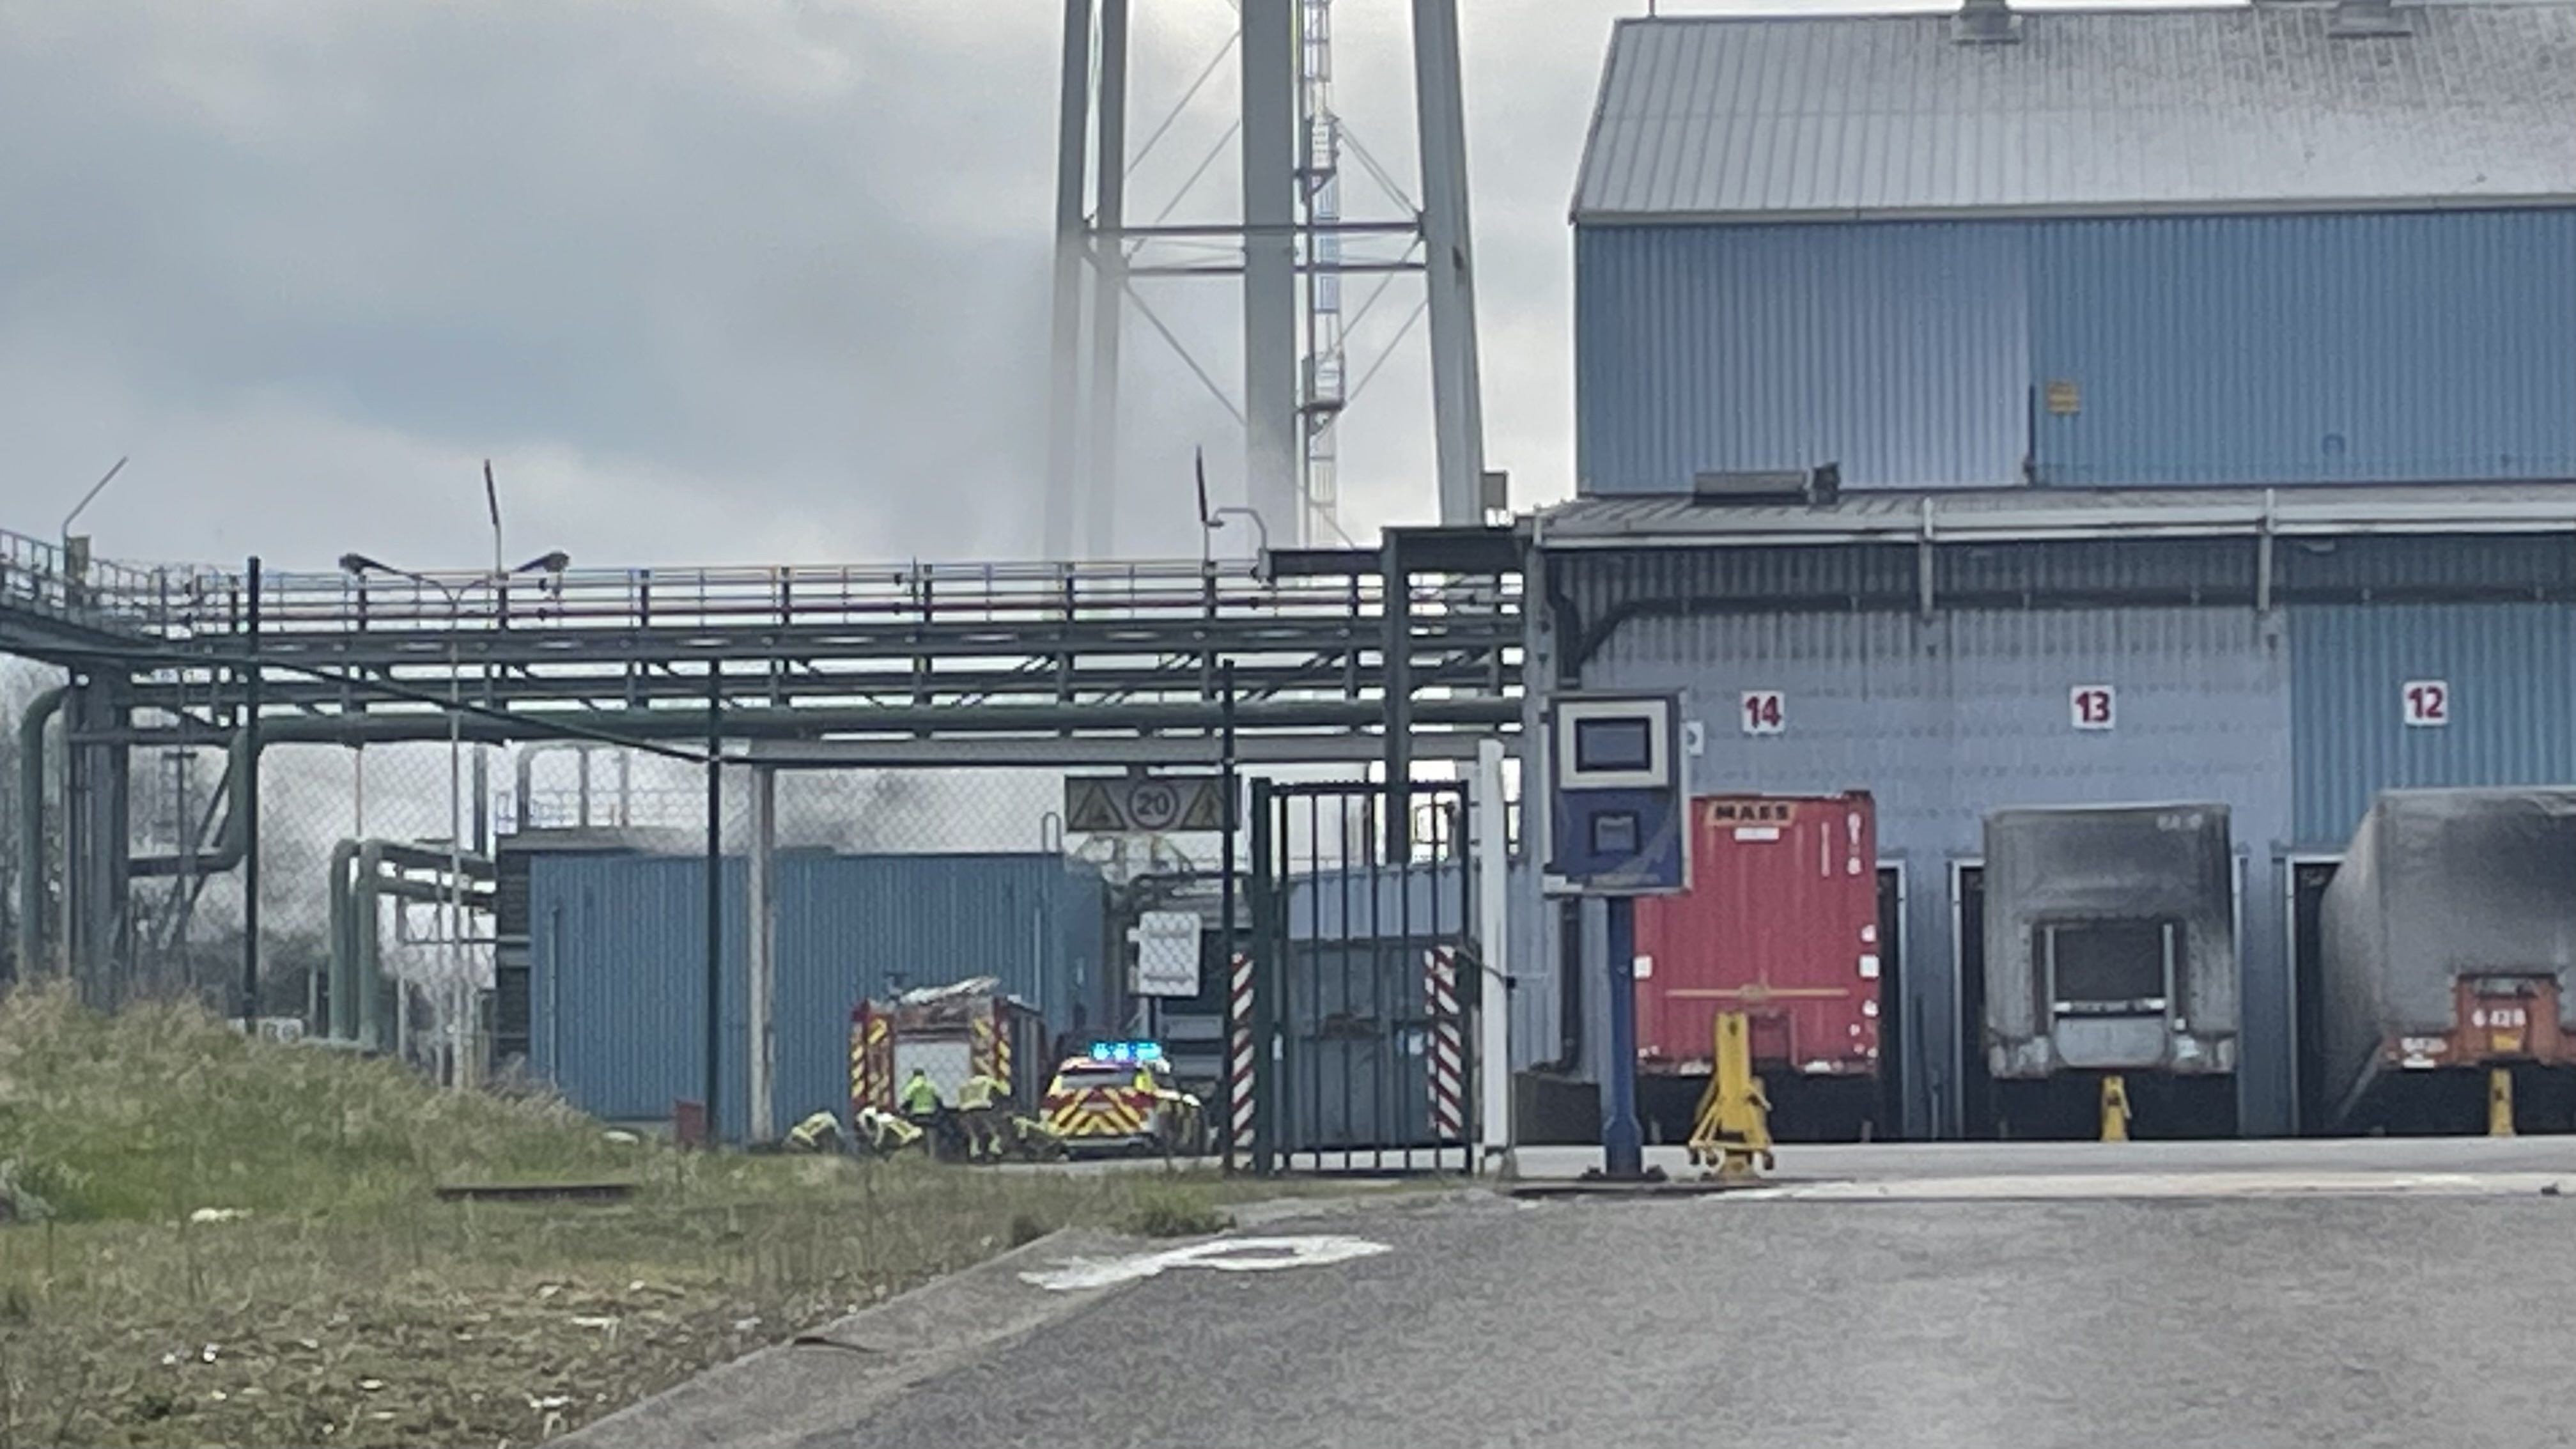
(358, 566)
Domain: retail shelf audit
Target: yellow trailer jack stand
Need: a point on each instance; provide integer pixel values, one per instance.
(2500, 1102)
(2115, 1108)
(1732, 1133)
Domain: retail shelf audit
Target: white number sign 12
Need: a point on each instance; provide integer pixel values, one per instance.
(1763, 713)
(2428, 703)
(2089, 706)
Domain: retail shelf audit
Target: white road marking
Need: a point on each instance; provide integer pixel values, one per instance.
(1226, 1255)
(2162, 1185)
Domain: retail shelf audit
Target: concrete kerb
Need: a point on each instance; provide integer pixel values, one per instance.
(1387, 1196)
(826, 1380)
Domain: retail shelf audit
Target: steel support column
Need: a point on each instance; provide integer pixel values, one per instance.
(1398, 667)
(98, 935)
(1457, 407)
(1064, 341)
(761, 929)
(1108, 286)
(1269, 55)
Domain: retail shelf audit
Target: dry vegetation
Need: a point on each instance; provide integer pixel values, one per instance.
(344, 1304)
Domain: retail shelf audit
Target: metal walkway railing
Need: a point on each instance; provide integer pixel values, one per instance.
(179, 603)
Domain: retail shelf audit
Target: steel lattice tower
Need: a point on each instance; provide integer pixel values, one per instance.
(1297, 247)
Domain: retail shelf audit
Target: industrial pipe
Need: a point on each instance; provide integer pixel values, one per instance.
(31, 826)
(355, 976)
(367, 983)
(613, 727)
(234, 841)
(339, 1014)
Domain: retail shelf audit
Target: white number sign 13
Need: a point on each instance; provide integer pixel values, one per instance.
(2089, 706)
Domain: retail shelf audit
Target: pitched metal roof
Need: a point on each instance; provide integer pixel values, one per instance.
(2006, 514)
(2246, 108)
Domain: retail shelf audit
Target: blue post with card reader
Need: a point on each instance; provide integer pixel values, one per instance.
(1618, 817)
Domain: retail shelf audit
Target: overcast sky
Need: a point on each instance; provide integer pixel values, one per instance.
(710, 280)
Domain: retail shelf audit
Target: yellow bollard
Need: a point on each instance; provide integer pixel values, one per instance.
(2115, 1108)
(2500, 1102)
(1732, 1132)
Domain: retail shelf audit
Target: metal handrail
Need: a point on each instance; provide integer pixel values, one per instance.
(178, 602)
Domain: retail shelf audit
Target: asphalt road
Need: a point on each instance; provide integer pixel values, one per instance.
(2246, 1322)
(2025, 1297)
(1900, 1161)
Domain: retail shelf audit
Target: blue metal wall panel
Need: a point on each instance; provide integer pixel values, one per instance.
(2297, 349)
(1945, 720)
(1897, 350)
(2511, 676)
(2236, 349)
(618, 960)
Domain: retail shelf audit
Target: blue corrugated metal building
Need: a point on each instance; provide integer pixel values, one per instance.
(2222, 356)
(2269, 649)
(617, 950)
(2127, 249)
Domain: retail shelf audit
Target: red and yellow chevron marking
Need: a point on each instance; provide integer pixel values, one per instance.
(872, 1064)
(1100, 1112)
(859, 1067)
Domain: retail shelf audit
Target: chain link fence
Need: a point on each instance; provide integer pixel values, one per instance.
(409, 865)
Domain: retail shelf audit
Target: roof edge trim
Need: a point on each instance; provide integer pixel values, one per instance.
(2089, 211)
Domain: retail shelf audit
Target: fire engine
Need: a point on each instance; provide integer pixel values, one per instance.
(949, 1033)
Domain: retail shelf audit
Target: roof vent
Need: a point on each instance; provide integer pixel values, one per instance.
(2367, 17)
(1986, 22)
(1819, 487)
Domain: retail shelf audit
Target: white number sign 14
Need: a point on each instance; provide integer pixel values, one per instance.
(1763, 712)
(2427, 703)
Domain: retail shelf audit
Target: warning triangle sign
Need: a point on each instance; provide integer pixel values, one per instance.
(1206, 810)
(1090, 809)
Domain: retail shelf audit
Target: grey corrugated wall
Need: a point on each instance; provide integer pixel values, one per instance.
(618, 986)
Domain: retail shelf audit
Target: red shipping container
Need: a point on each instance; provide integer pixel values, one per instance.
(1781, 922)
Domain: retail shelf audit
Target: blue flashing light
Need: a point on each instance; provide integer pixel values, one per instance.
(1126, 1052)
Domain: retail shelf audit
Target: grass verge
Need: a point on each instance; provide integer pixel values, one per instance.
(345, 1305)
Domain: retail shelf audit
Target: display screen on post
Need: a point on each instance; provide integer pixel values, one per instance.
(1614, 834)
(1611, 744)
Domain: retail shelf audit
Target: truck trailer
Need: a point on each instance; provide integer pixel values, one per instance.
(2110, 968)
(2446, 940)
(1780, 923)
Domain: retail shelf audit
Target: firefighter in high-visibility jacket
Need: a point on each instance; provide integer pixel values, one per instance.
(818, 1133)
(884, 1133)
(975, 1115)
(920, 1098)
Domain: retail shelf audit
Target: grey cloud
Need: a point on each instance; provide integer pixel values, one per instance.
(711, 280)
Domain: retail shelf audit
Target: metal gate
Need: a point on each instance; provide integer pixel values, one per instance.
(1351, 1023)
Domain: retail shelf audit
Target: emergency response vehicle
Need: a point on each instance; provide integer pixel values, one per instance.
(1122, 1097)
(948, 1033)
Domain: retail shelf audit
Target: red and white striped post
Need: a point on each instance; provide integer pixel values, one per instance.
(1239, 1062)
(1448, 1046)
